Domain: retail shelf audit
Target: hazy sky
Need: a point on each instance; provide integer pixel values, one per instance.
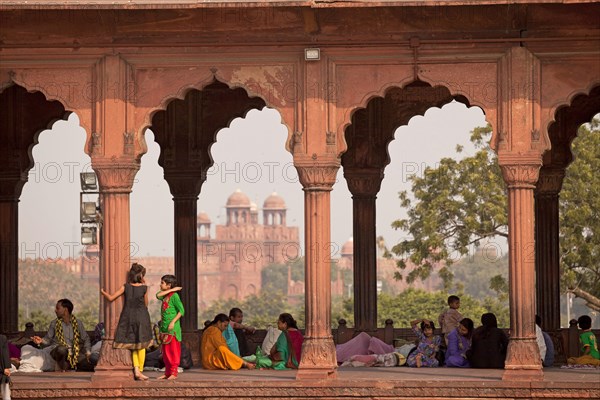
(250, 156)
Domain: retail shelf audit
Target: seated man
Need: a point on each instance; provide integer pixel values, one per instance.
(236, 317)
(548, 359)
(67, 340)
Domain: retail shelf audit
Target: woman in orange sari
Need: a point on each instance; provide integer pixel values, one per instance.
(215, 353)
(287, 350)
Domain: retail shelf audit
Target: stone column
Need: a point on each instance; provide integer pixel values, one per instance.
(185, 189)
(11, 185)
(523, 359)
(364, 184)
(318, 350)
(115, 178)
(547, 247)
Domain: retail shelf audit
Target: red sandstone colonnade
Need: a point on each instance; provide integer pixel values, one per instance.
(188, 72)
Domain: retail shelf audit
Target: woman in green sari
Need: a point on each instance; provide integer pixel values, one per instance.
(287, 350)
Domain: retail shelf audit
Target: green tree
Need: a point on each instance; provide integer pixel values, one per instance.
(463, 202)
(41, 285)
(259, 310)
(482, 275)
(580, 217)
(455, 206)
(417, 303)
(274, 276)
(342, 308)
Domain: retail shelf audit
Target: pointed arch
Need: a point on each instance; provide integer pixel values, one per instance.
(371, 127)
(23, 116)
(567, 118)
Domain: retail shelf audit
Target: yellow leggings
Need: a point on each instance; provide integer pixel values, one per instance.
(138, 357)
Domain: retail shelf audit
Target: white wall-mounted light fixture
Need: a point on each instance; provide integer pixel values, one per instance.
(89, 211)
(88, 181)
(89, 235)
(312, 54)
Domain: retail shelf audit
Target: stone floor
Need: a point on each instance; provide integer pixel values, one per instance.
(351, 383)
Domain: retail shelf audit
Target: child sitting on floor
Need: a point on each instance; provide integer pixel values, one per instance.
(589, 346)
(429, 344)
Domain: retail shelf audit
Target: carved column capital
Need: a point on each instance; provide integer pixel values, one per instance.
(520, 171)
(318, 173)
(115, 175)
(364, 182)
(185, 184)
(11, 184)
(550, 181)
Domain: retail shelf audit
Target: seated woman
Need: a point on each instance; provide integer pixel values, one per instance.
(459, 342)
(429, 345)
(215, 353)
(287, 350)
(488, 345)
(361, 345)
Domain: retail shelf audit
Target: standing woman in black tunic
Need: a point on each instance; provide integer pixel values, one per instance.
(134, 331)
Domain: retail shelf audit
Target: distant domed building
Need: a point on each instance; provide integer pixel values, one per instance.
(230, 264)
(348, 248)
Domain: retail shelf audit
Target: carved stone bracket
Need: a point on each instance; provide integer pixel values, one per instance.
(550, 181)
(96, 144)
(330, 138)
(297, 142)
(115, 175)
(128, 143)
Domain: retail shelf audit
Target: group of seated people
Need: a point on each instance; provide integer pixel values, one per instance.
(224, 345)
(67, 345)
(461, 346)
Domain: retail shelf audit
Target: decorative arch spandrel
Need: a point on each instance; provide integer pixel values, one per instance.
(356, 85)
(156, 87)
(554, 101)
(72, 87)
(563, 80)
(280, 86)
(476, 83)
(24, 116)
(473, 89)
(567, 119)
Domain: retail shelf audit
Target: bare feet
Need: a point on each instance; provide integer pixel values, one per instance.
(249, 365)
(162, 377)
(418, 361)
(138, 376)
(172, 377)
